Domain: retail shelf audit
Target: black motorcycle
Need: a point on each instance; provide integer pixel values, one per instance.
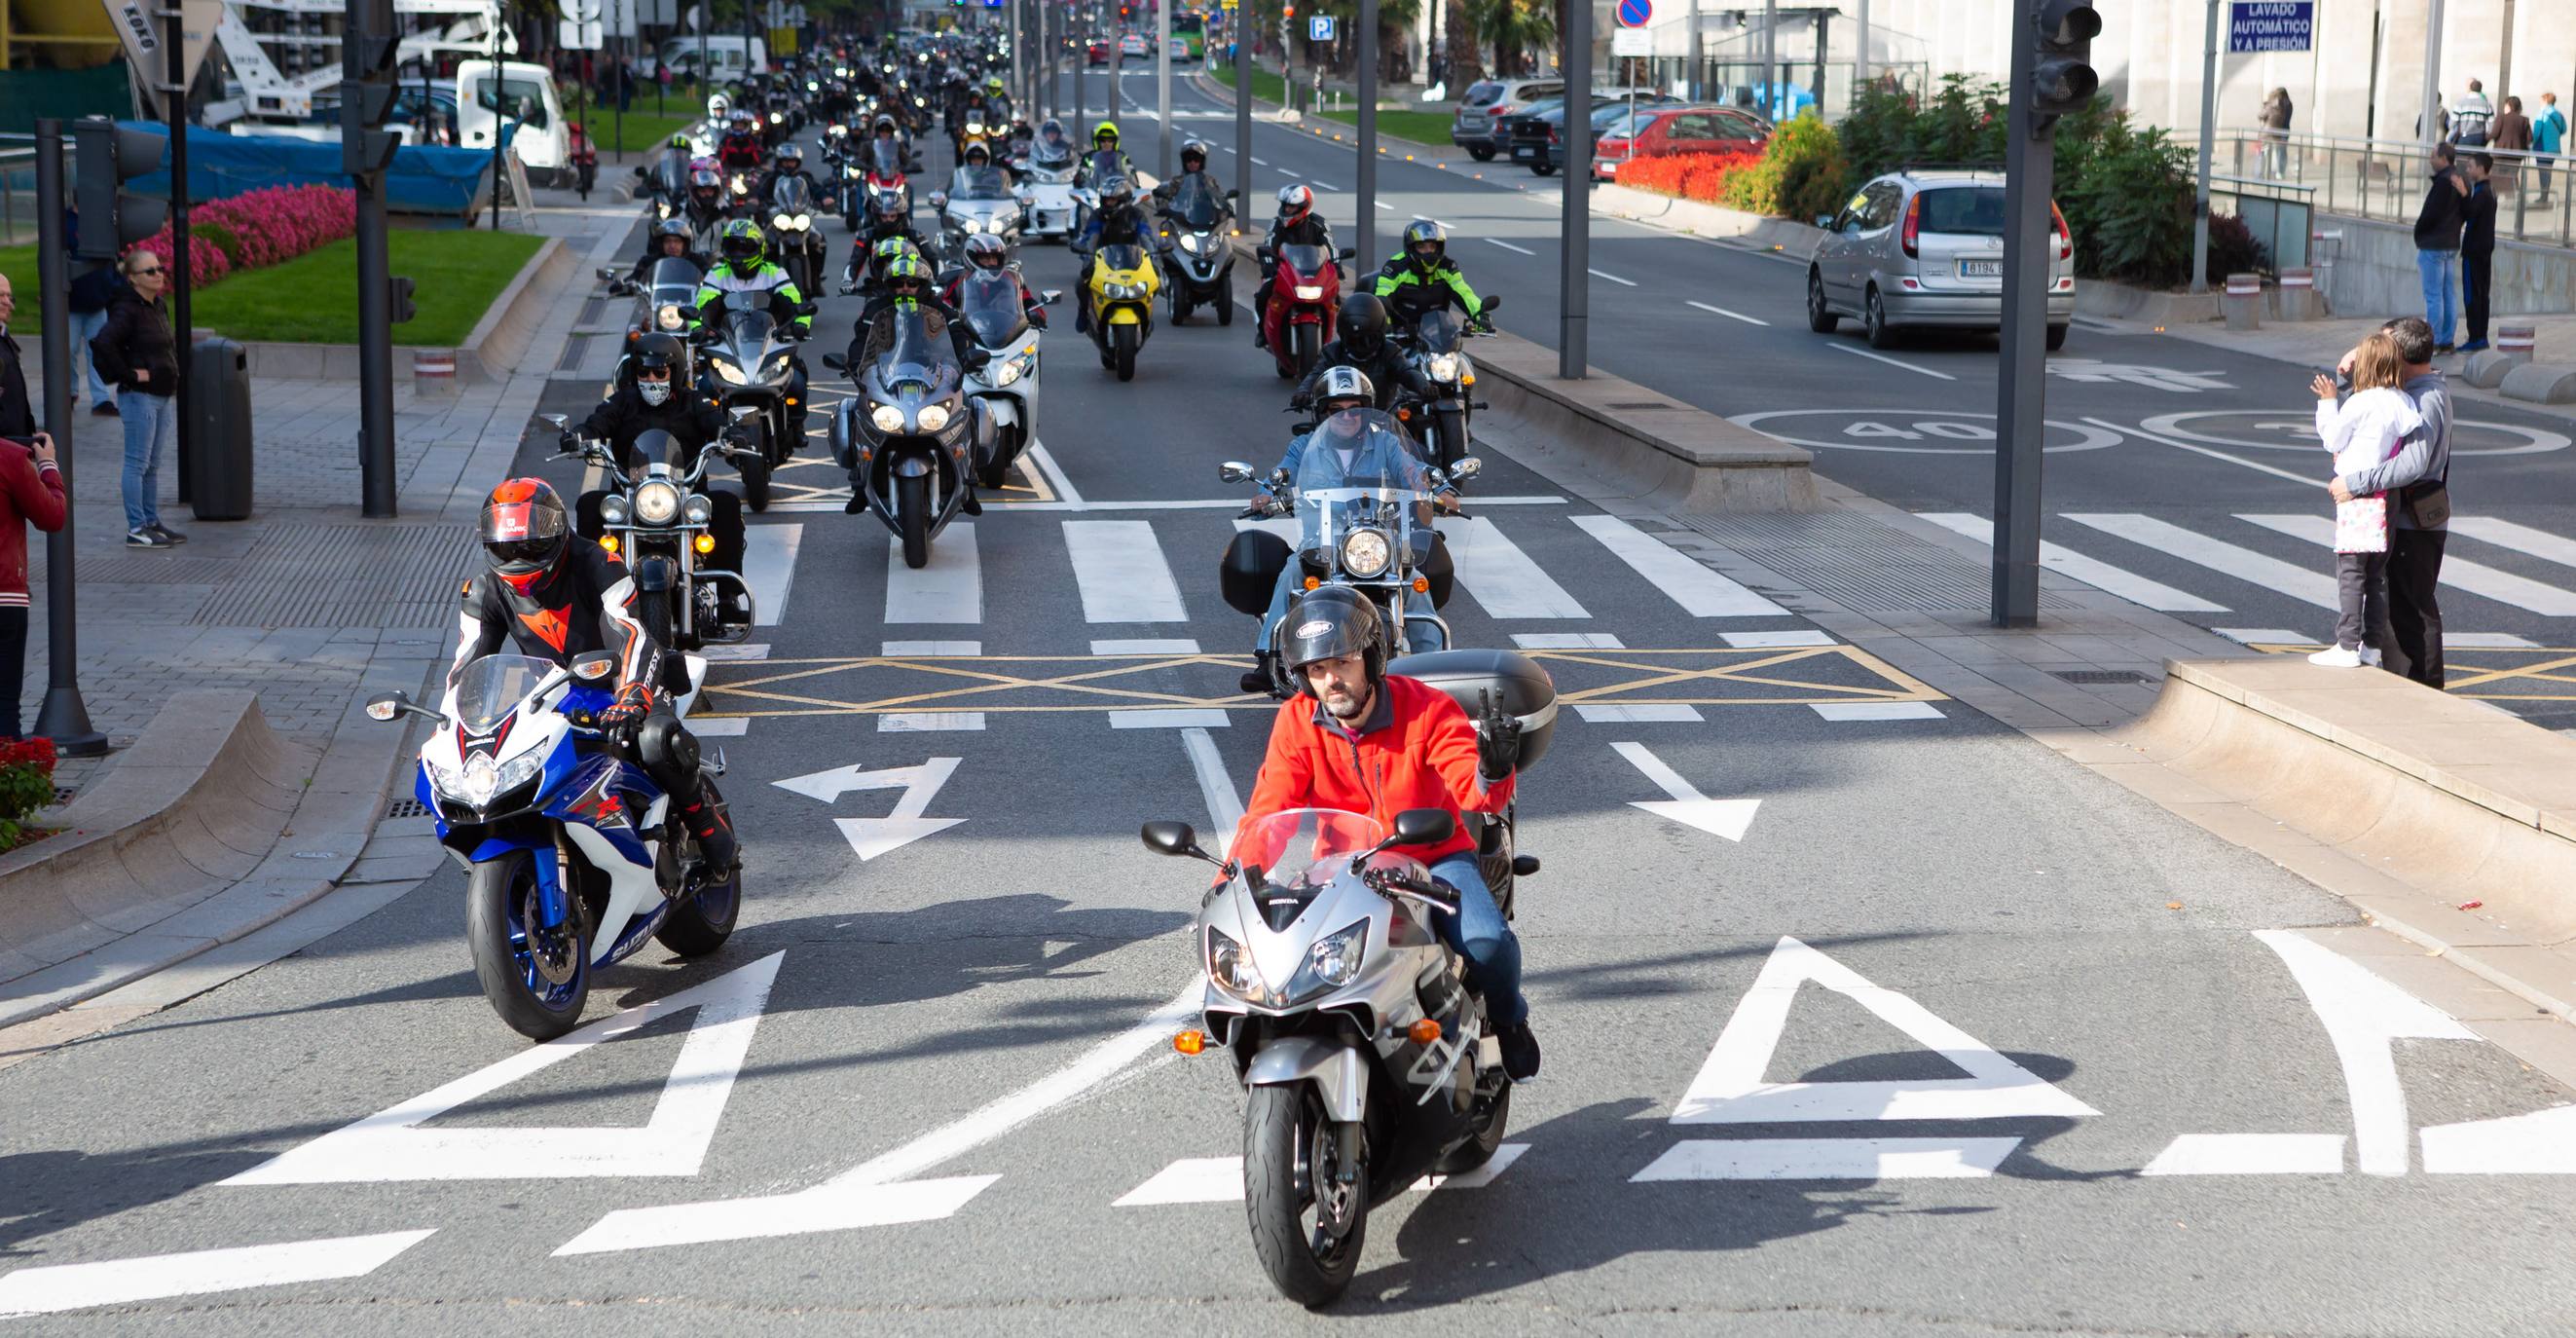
(751, 370)
(1439, 413)
(793, 242)
(1195, 227)
(654, 523)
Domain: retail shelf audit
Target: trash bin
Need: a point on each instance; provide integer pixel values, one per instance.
(219, 467)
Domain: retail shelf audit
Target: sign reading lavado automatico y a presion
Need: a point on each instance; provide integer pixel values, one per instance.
(2271, 25)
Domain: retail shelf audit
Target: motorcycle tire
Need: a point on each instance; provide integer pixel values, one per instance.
(912, 508)
(1451, 429)
(1303, 349)
(755, 483)
(700, 922)
(1224, 303)
(1123, 348)
(994, 473)
(1283, 1129)
(500, 901)
(1480, 1148)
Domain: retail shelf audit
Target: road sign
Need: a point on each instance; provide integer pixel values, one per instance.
(2271, 25)
(1631, 42)
(1636, 13)
(1319, 28)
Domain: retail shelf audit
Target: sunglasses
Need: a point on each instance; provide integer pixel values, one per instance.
(141, 272)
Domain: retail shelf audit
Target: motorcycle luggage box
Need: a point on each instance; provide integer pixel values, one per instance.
(1523, 688)
(1250, 571)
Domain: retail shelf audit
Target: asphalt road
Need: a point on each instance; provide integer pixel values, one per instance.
(2096, 1088)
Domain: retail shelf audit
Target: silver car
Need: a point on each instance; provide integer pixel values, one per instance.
(1926, 248)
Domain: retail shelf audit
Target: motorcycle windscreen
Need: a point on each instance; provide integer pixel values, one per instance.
(748, 328)
(1121, 258)
(672, 279)
(1304, 261)
(791, 196)
(884, 159)
(990, 301)
(489, 689)
(1194, 204)
(671, 175)
(916, 357)
(1303, 849)
(978, 183)
(1354, 462)
(1437, 331)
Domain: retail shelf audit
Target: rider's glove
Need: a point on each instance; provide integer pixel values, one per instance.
(1498, 745)
(633, 703)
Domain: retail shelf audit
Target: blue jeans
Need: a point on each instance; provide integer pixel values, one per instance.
(148, 423)
(85, 327)
(2441, 273)
(1421, 632)
(1478, 933)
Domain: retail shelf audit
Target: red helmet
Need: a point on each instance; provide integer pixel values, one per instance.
(1295, 202)
(525, 531)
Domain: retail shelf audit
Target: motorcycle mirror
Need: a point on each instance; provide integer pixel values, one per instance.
(1052, 296)
(939, 199)
(1346, 255)
(597, 665)
(385, 706)
(1423, 827)
(554, 420)
(1234, 471)
(1168, 837)
(1233, 194)
(836, 362)
(1489, 304)
(1467, 467)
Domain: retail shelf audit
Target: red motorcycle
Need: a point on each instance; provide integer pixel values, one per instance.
(585, 160)
(1305, 294)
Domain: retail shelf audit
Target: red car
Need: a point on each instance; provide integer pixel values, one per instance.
(1099, 54)
(1659, 131)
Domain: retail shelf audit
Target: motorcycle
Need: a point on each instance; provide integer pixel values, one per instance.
(910, 434)
(664, 187)
(792, 239)
(1440, 417)
(751, 370)
(1194, 228)
(573, 856)
(585, 160)
(1046, 177)
(659, 526)
(1120, 303)
(742, 198)
(663, 300)
(981, 203)
(1305, 294)
(1007, 384)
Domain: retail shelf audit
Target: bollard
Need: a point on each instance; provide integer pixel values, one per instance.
(433, 373)
(2487, 368)
(2243, 302)
(2297, 299)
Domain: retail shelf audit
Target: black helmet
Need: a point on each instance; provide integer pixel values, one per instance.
(1426, 244)
(1194, 156)
(1363, 323)
(671, 227)
(524, 531)
(662, 352)
(1327, 624)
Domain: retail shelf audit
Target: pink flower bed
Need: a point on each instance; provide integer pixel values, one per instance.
(260, 228)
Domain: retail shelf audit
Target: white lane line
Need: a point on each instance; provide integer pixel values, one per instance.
(769, 567)
(1283, 526)
(1605, 274)
(2488, 641)
(1260, 162)
(1831, 1159)
(2281, 636)
(2364, 1017)
(1568, 641)
(2458, 573)
(1169, 717)
(2540, 1143)
(1880, 357)
(1383, 205)
(2304, 584)
(1323, 185)
(1640, 715)
(720, 727)
(1730, 315)
(1877, 710)
(1502, 577)
(1774, 640)
(905, 649)
(1216, 787)
(1145, 646)
(2195, 448)
(2101, 576)
(949, 590)
(1702, 593)
(1120, 567)
(736, 652)
(2520, 538)
(877, 1190)
(1220, 1180)
(931, 722)
(1044, 459)
(1509, 247)
(2252, 1154)
(59, 1287)
(1292, 176)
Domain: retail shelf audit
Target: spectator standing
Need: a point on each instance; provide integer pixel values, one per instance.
(31, 493)
(2275, 120)
(2477, 246)
(89, 296)
(136, 350)
(2437, 244)
(2512, 136)
(2419, 509)
(2548, 136)
(2471, 117)
(2363, 431)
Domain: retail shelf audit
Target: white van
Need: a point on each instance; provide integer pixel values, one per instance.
(542, 140)
(730, 57)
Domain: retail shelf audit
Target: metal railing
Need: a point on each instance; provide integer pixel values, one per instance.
(17, 194)
(2385, 179)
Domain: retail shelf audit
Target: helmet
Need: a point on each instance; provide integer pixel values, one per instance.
(1194, 155)
(883, 125)
(742, 123)
(1327, 624)
(524, 531)
(907, 277)
(993, 85)
(1115, 190)
(1295, 203)
(1363, 323)
(672, 227)
(1426, 244)
(705, 179)
(718, 106)
(978, 153)
(742, 243)
(1107, 130)
(658, 352)
(986, 251)
(791, 156)
(1349, 383)
(891, 248)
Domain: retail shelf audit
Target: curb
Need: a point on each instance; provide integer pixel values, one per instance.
(486, 357)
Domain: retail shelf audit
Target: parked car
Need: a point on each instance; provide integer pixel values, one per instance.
(1656, 132)
(1537, 136)
(1926, 248)
(1477, 124)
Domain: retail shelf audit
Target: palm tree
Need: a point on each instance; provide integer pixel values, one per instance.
(1514, 28)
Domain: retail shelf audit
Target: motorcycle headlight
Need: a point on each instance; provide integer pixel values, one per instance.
(612, 510)
(669, 317)
(970, 226)
(782, 222)
(1232, 969)
(1442, 367)
(1190, 242)
(887, 417)
(698, 510)
(1310, 292)
(730, 374)
(661, 209)
(1366, 553)
(741, 187)
(1006, 371)
(933, 417)
(804, 221)
(480, 780)
(1333, 962)
(657, 502)
(776, 118)
(776, 366)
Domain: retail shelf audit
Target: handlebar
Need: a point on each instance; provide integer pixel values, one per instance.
(1397, 883)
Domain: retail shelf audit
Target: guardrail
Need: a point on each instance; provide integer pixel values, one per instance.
(2385, 179)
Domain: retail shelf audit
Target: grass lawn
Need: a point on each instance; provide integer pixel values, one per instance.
(1266, 87)
(1422, 127)
(313, 298)
(643, 130)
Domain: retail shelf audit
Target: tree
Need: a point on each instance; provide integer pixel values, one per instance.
(1466, 64)
(1514, 28)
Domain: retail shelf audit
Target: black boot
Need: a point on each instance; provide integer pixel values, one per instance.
(1258, 677)
(714, 831)
(1520, 1051)
(968, 504)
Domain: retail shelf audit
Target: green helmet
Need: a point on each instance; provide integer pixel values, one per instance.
(993, 85)
(742, 244)
(909, 271)
(1105, 130)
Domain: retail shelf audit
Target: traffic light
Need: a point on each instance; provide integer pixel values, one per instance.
(370, 48)
(2062, 76)
(403, 309)
(110, 155)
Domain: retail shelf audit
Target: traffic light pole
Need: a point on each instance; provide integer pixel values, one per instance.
(64, 717)
(1574, 292)
(375, 353)
(2030, 161)
(174, 115)
(1240, 30)
(1367, 231)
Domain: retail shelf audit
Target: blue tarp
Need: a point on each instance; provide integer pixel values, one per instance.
(423, 180)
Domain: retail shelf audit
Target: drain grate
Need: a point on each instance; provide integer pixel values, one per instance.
(406, 808)
(352, 576)
(1858, 562)
(2102, 677)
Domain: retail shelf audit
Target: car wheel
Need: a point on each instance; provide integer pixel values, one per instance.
(2056, 338)
(1542, 169)
(1873, 322)
(1820, 318)
(1480, 153)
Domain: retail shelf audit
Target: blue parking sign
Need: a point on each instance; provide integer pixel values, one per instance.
(1319, 28)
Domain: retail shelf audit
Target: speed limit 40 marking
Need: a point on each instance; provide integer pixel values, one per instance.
(1920, 432)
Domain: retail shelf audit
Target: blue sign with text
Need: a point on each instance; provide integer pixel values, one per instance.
(2271, 25)
(1319, 28)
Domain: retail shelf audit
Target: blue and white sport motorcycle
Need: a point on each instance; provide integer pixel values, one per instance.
(572, 856)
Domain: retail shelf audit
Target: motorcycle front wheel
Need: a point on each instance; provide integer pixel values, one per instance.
(1304, 348)
(1225, 300)
(1123, 340)
(1308, 1241)
(537, 981)
(912, 510)
(755, 482)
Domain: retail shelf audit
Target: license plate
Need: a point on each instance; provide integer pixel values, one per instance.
(1981, 269)
(1523, 151)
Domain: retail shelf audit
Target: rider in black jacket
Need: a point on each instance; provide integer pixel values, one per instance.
(1296, 225)
(1362, 343)
(656, 392)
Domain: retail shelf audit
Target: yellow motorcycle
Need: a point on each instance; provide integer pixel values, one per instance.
(1120, 302)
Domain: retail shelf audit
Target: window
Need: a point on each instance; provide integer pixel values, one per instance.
(1484, 94)
(1884, 197)
(1691, 126)
(527, 99)
(1734, 126)
(1971, 211)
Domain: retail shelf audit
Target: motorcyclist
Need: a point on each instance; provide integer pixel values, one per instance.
(1105, 160)
(551, 598)
(871, 251)
(907, 291)
(740, 152)
(706, 199)
(978, 156)
(1194, 159)
(1117, 222)
(1422, 278)
(997, 103)
(1297, 224)
(655, 392)
(1361, 740)
(1336, 390)
(668, 240)
(1051, 147)
(990, 253)
(788, 163)
(1361, 344)
(742, 267)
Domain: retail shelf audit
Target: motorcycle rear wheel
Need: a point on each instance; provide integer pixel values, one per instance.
(1476, 1151)
(912, 510)
(701, 922)
(1288, 1147)
(998, 470)
(511, 956)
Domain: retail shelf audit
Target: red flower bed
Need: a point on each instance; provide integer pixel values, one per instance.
(260, 228)
(26, 784)
(1692, 176)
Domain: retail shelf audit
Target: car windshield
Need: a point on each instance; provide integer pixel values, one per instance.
(1306, 848)
(1971, 211)
(978, 183)
(489, 689)
(989, 299)
(1485, 94)
(1194, 204)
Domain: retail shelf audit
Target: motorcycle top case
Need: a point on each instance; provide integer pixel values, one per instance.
(1250, 571)
(1515, 680)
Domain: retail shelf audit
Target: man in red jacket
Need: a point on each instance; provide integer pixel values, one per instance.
(1359, 739)
(31, 490)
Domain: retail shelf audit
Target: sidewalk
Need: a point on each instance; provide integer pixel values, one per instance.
(2320, 344)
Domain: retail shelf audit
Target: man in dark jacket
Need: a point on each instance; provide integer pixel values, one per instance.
(2437, 246)
(1361, 343)
(2477, 245)
(657, 394)
(2417, 481)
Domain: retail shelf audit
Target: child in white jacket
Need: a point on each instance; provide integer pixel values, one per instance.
(2363, 431)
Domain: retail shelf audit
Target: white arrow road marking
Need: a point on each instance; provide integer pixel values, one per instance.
(2541, 1143)
(876, 1192)
(391, 1146)
(1718, 817)
(872, 837)
(2250, 1154)
(1730, 1088)
(1830, 1159)
(51, 1290)
(1220, 1180)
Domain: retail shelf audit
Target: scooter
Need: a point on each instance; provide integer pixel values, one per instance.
(1196, 226)
(909, 436)
(1007, 384)
(1305, 297)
